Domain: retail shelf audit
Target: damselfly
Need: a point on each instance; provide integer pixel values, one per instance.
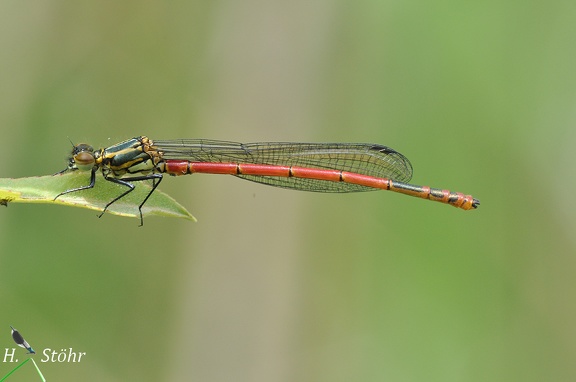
(20, 341)
(320, 167)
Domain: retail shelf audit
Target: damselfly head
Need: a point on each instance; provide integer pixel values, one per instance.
(82, 157)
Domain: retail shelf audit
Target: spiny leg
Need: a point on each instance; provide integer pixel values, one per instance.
(156, 179)
(91, 185)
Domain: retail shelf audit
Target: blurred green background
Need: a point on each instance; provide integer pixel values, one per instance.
(276, 285)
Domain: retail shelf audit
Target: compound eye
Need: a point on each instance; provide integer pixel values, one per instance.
(84, 160)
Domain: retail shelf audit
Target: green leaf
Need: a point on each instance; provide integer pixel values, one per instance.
(44, 189)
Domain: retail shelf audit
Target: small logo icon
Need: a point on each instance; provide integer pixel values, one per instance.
(20, 341)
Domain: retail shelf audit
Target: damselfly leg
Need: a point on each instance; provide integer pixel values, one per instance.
(155, 178)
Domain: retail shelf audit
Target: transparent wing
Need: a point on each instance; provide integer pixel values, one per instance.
(361, 158)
